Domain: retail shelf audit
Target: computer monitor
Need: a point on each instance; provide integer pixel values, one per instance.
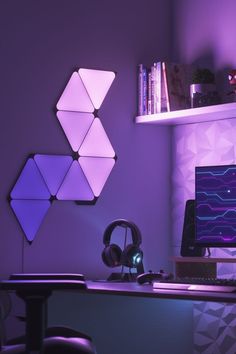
(215, 213)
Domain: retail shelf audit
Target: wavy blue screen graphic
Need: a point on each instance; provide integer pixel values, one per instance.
(216, 205)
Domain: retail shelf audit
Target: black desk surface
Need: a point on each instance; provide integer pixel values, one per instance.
(114, 288)
(134, 289)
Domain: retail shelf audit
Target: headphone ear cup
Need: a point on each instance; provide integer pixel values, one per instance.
(129, 256)
(111, 256)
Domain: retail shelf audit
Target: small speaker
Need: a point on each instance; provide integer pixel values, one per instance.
(188, 247)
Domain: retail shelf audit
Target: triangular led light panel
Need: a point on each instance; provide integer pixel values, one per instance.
(75, 96)
(96, 142)
(53, 169)
(97, 83)
(30, 214)
(75, 126)
(30, 184)
(96, 170)
(75, 185)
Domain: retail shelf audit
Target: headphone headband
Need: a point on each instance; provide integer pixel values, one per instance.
(136, 234)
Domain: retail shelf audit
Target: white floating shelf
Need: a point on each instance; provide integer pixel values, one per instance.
(191, 115)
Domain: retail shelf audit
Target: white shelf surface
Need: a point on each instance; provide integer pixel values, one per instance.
(191, 115)
(203, 260)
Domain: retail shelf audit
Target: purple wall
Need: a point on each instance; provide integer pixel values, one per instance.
(41, 44)
(204, 35)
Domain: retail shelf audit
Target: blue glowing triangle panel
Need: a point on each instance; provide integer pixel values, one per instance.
(30, 214)
(53, 169)
(30, 184)
(75, 185)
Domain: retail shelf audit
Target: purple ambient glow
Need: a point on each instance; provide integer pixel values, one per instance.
(75, 96)
(53, 169)
(96, 142)
(75, 126)
(97, 84)
(75, 185)
(96, 170)
(30, 214)
(30, 184)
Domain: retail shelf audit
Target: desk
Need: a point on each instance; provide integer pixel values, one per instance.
(146, 290)
(129, 318)
(36, 293)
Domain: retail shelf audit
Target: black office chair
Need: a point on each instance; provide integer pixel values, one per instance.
(57, 340)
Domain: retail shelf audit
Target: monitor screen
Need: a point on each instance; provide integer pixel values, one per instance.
(215, 213)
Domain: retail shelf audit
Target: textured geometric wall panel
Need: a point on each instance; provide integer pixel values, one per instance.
(215, 328)
(80, 177)
(209, 143)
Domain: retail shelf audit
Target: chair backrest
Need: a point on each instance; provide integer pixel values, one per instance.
(5, 308)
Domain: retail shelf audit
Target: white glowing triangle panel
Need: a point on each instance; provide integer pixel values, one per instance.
(75, 185)
(96, 142)
(53, 169)
(75, 96)
(97, 83)
(97, 170)
(30, 214)
(75, 126)
(30, 184)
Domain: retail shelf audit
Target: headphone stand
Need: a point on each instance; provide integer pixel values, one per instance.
(126, 277)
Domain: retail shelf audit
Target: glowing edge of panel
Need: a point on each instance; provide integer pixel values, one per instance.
(103, 167)
(97, 83)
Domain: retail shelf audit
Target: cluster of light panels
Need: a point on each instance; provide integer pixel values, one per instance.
(80, 177)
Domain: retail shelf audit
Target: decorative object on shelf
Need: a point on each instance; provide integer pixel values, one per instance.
(203, 89)
(131, 256)
(79, 177)
(232, 81)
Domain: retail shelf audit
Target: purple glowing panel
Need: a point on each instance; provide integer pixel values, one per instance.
(96, 142)
(75, 96)
(97, 83)
(75, 126)
(216, 205)
(53, 169)
(75, 185)
(30, 184)
(30, 214)
(96, 170)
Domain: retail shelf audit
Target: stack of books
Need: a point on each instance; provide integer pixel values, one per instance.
(164, 87)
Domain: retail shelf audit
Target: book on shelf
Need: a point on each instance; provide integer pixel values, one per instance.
(156, 87)
(142, 90)
(164, 87)
(149, 93)
(177, 79)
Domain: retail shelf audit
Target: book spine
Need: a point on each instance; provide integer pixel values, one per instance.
(153, 90)
(165, 100)
(140, 90)
(149, 105)
(157, 87)
(145, 94)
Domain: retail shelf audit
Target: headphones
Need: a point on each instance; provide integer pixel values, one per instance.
(112, 254)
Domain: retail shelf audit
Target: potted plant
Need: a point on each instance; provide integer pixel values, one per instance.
(203, 89)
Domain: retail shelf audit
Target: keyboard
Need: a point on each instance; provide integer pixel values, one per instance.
(197, 284)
